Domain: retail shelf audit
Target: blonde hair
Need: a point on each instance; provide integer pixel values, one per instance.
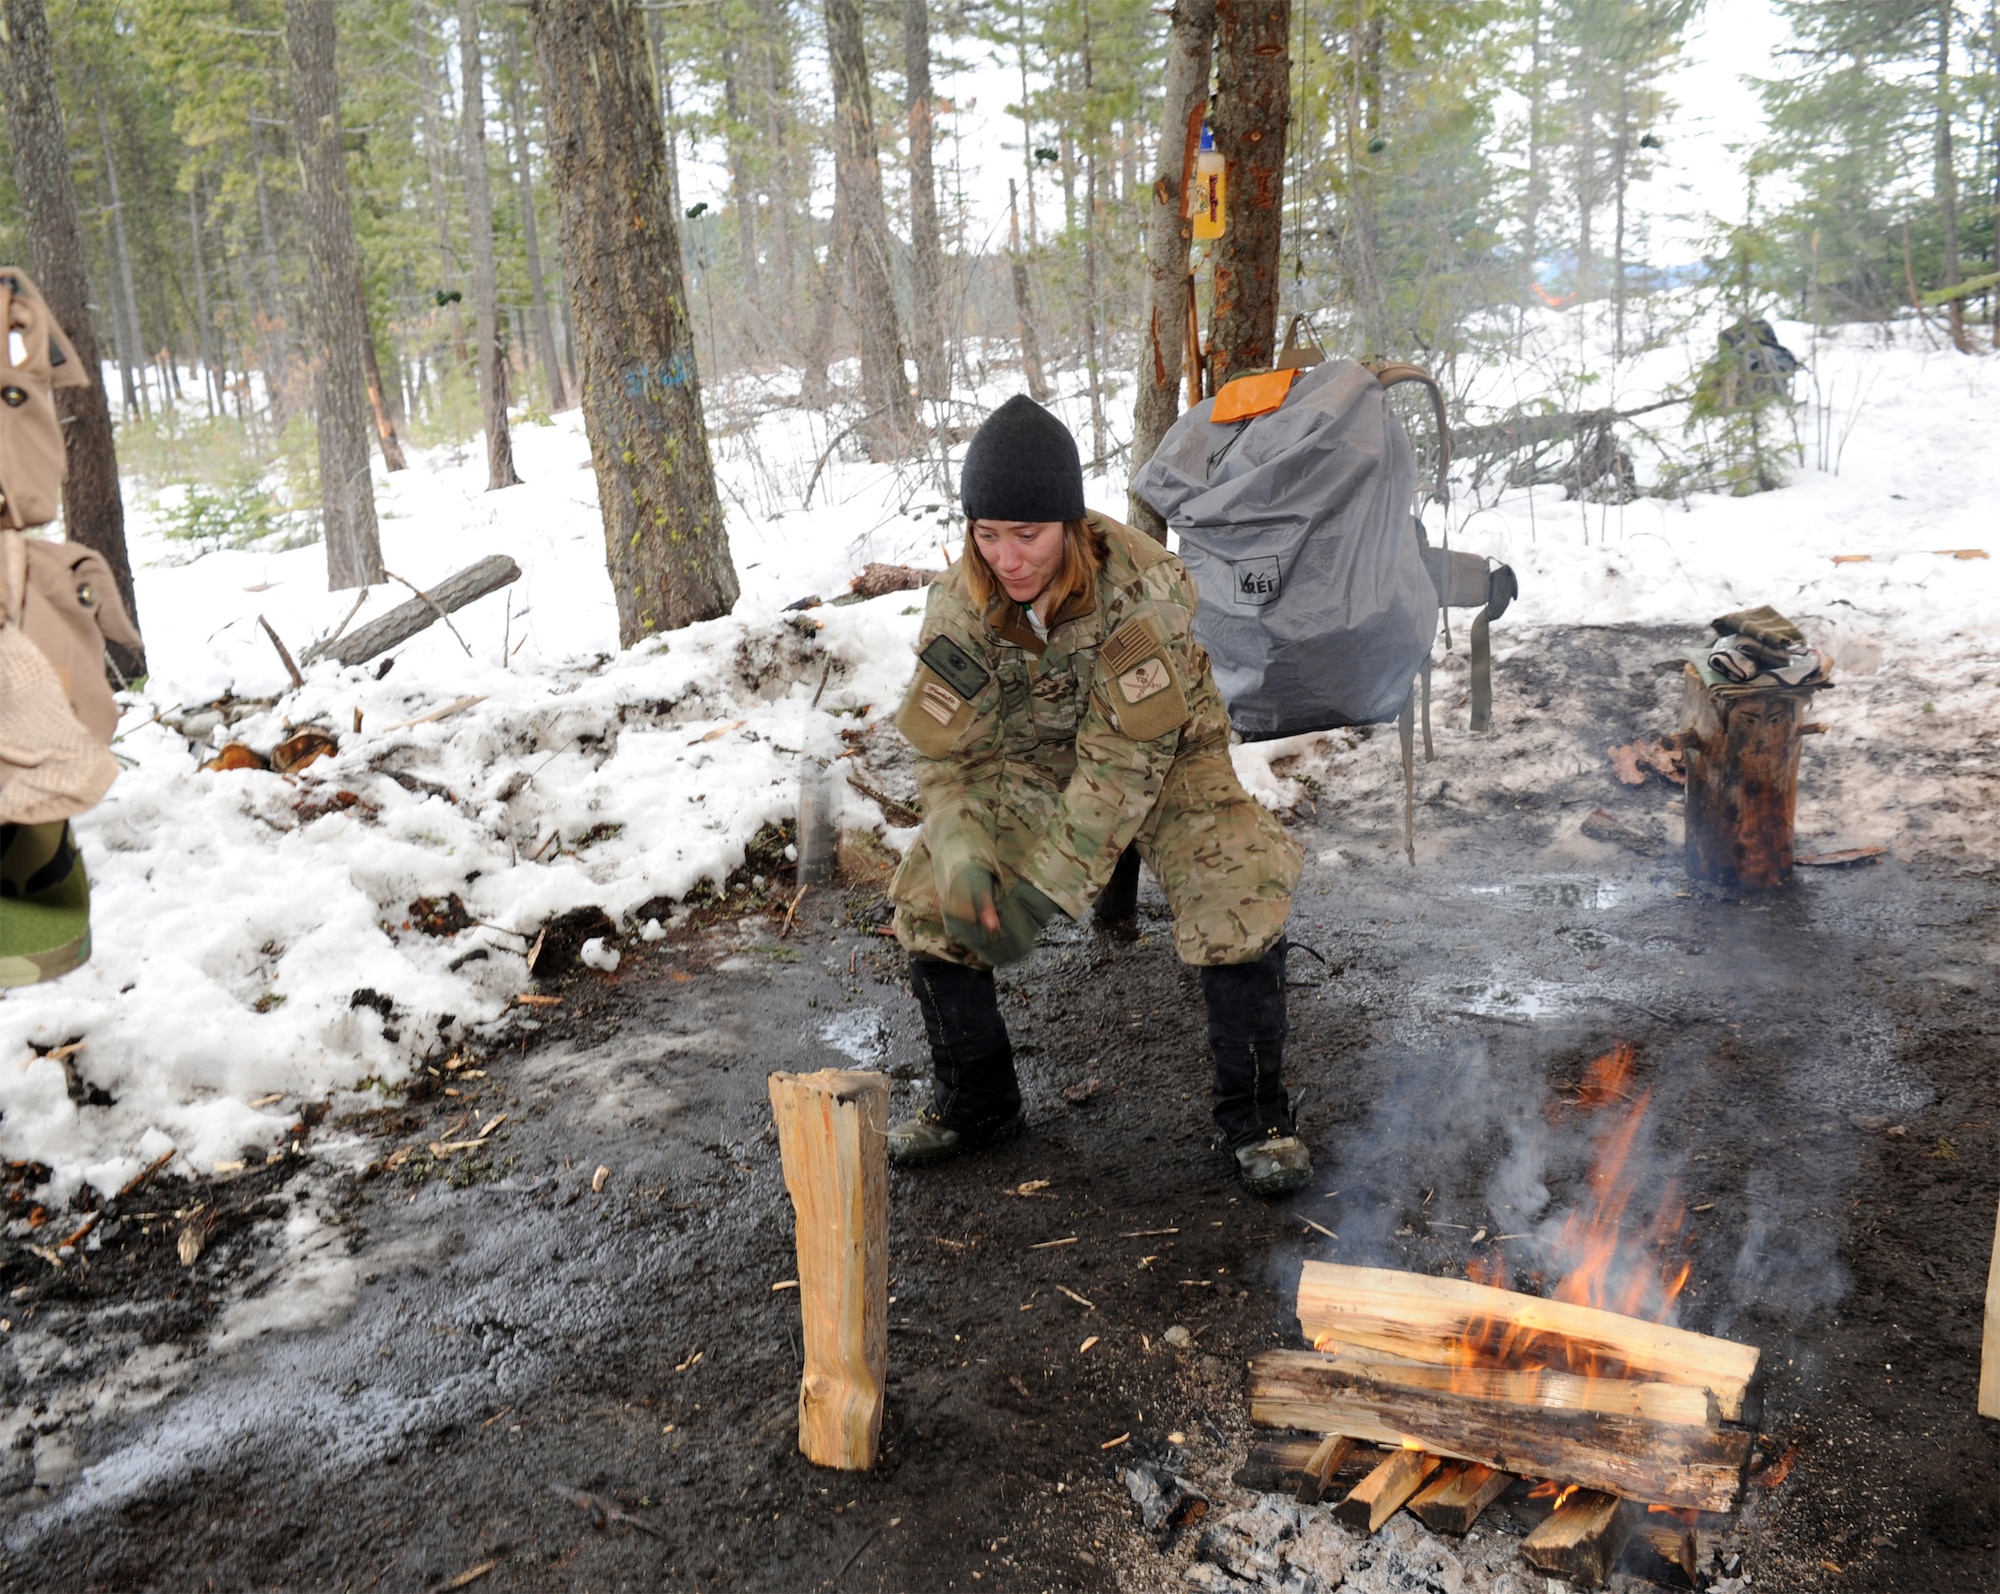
(1084, 551)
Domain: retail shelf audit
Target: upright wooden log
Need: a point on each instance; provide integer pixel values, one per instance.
(1581, 1539)
(1742, 746)
(832, 1134)
(1989, 1344)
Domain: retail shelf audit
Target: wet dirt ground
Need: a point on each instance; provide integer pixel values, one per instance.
(393, 1368)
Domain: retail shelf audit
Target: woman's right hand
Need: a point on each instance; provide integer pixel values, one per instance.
(970, 910)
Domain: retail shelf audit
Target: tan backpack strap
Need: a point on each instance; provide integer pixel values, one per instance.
(1391, 372)
(13, 576)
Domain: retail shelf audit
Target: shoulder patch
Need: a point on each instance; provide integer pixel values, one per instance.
(1147, 699)
(1131, 642)
(933, 716)
(957, 668)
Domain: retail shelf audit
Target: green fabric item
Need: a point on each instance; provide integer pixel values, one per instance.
(1770, 630)
(969, 891)
(44, 904)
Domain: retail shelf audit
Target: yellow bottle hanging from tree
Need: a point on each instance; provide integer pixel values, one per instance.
(1209, 200)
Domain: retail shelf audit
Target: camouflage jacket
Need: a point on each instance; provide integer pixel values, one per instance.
(1076, 735)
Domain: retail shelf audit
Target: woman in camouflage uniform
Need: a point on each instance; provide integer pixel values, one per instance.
(1061, 711)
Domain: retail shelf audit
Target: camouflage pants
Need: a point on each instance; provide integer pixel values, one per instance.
(44, 904)
(1225, 863)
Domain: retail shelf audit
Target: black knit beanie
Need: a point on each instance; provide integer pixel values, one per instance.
(1021, 464)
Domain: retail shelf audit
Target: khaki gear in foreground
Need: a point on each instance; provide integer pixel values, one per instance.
(58, 605)
(1041, 761)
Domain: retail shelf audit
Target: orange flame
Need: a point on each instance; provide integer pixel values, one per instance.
(1611, 1266)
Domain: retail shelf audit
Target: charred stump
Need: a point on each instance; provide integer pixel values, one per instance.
(1742, 747)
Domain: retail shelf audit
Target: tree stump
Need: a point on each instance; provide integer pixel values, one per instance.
(833, 1136)
(1742, 747)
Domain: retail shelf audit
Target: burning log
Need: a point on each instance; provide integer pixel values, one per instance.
(1452, 1322)
(1662, 1547)
(1386, 1490)
(1538, 1386)
(1668, 1463)
(1451, 1502)
(1582, 1538)
(1283, 1463)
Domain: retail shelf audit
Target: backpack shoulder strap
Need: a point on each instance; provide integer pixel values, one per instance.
(1390, 373)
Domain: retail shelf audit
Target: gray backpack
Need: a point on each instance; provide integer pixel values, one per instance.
(1319, 588)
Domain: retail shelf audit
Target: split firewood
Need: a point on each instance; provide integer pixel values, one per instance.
(1661, 1548)
(1321, 1465)
(1452, 1501)
(1666, 1463)
(1679, 1403)
(1277, 1462)
(1631, 762)
(420, 613)
(1385, 1491)
(1581, 1539)
(1437, 1320)
(1989, 1342)
(832, 1138)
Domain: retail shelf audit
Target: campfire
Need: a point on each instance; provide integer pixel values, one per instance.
(1625, 1421)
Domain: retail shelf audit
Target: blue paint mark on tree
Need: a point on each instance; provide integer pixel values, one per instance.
(645, 383)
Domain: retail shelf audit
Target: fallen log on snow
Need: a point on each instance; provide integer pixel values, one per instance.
(420, 613)
(1516, 432)
(1439, 1321)
(1634, 1457)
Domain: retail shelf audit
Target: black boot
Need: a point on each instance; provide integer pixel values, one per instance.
(975, 1098)
(1246, 1034)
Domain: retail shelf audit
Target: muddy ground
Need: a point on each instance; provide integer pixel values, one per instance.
(388, 1367)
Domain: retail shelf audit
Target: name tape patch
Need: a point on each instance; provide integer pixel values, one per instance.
(939, 701)
(957, 668)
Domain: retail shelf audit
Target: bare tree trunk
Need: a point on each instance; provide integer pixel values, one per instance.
(1946, 180)
(1190, 46)
(783, 187)
(743, 198)
(1027, 122)
(278, 329)
(1536, 195)
(371, 370)
(131, 342)
(347, 494)
(437, 142)
(531, 240)
(93, 507)
(857, 175)
(926, 257)
(204, 328)
(1024, 310)
(485, 276)
(815, 388)
(665, 542)
(1093, 365)
(1620, 151)
(1253, 106)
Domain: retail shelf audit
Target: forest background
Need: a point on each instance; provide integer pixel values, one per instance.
(828, 240)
